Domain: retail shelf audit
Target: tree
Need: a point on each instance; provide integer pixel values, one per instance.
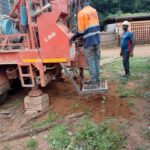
(108, 7)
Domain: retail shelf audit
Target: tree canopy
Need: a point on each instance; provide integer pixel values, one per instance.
(117, 7)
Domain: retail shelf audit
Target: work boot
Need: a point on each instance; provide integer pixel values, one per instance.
(126, 76)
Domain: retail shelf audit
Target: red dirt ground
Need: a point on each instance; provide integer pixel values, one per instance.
(64, 101)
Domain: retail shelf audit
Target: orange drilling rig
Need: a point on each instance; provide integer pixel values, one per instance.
(35, 46)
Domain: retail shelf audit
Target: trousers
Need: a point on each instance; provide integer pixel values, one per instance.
(92, 55)
(126, 62)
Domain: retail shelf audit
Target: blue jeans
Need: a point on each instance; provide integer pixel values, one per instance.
(126, 63)
(92, 55)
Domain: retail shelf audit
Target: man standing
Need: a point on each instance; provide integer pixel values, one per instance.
(89, 29)
(127, 46)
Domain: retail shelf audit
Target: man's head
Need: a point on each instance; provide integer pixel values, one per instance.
(125, 25)
(84, 3)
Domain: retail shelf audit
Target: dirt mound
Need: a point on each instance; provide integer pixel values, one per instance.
(64, 101)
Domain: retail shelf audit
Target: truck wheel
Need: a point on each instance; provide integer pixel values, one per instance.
(3, 97)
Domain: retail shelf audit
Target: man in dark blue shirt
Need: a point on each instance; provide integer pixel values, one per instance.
(127, 46)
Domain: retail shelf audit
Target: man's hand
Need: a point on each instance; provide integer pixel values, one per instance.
(131, 54)
(73, 38)
(121, 53)
(70, 37)
(76, 36)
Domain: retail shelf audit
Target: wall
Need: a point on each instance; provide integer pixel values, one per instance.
(108, 39)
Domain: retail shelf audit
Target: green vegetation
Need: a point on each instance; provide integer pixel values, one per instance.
(32, 144)
(126, 93)
(74, 107)
(130, 103)
(51, 116)
(142, 147)
(107, 8)
(146, 84)
(16, 103)
(146, 133)
(58, 137)
(140, 78)
(127, 15)
(7, 147)
(88, 136)
(140, 65)
(98, 137)
(140, 72)
(88, 111)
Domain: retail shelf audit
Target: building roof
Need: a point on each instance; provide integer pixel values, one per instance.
(129, 17)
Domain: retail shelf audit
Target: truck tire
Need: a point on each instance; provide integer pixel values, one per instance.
(3, 97)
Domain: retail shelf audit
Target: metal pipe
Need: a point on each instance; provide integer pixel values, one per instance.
(31, 33)
(41, 10)
(16, 5)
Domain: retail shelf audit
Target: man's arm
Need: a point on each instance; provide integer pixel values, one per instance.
(81, 27)
(77, 35)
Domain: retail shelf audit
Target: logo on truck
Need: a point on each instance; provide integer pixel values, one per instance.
(50, 36)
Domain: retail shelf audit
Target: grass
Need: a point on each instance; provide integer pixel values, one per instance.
(146, 83)
(142, 147)
(130, 103)
(97, 137)
(126, 15)
(88, 136)
(140, 72)
(6, 147)
(146, 133)
(138, 67)
(74, 107)
(125, 93)
(87, 111)
(51, 116)
(32, 144)
(58, 137)
(91, 136)
(16, 103)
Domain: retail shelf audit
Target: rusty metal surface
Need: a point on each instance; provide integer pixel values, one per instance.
(54, 42)
(53, 38)
(46, 40)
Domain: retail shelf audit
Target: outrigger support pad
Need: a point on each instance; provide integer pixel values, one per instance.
(103, 88)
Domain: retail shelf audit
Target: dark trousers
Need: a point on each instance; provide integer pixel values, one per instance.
(126, 62)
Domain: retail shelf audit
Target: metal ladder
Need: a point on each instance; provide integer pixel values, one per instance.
(103, 88)
(26, 75)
